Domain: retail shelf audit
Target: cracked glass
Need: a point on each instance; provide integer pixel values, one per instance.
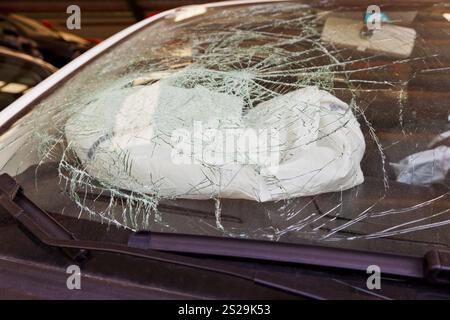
(279, 122)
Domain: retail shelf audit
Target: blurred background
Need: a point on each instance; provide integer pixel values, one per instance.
(35, 42)
(100, 19)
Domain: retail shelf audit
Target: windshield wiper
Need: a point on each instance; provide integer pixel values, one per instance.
(403, 266)
(38, 223)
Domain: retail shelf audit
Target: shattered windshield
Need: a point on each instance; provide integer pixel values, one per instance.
(279, 122)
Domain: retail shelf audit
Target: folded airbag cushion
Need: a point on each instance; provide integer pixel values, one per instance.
(129, 147)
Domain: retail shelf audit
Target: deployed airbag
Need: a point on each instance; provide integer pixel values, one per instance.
(127, 139)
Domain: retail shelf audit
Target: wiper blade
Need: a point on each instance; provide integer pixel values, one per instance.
(404, 266)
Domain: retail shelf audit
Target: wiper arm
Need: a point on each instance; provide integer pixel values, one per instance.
(38, 224)
(433, 267)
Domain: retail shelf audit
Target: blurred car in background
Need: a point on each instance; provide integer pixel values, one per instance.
(57, 48)
(10, 37)
(20, 72)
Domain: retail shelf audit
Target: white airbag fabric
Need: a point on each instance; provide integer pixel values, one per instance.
(126, 142)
